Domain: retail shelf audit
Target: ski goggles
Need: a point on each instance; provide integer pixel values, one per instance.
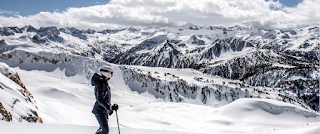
(106, 73)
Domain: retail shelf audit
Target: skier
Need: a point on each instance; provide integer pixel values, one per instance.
(102, 108)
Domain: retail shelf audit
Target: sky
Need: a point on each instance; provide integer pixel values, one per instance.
(112, 14)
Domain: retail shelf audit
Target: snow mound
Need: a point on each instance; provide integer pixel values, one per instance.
(268, 109)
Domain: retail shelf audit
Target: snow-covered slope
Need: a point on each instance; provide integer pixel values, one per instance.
(192, 86)
(11, 128)
(16, 102)
(65, 100)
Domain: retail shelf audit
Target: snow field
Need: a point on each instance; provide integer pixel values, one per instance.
(66, 104)
(29, 128)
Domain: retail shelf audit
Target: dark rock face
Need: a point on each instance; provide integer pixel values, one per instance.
(293, 32)
(31, 29)
(215, 51)
(7, 31)
(44, 34)
(197, 41)
(51, 33)
(109, 31)
(132, 29)
(129, 56)
(89, 31)
(2, 42)
(75, 32)
(285, 36)
(37, 39)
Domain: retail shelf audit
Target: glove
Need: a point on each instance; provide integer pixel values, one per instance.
(115, 107)
(110, 112)
(109, 108)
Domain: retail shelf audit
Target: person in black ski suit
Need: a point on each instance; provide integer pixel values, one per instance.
(102, 107)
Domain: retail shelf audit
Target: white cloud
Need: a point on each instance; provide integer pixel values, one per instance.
(7, 12)
(125, 13)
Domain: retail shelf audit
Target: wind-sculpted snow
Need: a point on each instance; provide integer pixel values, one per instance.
(269, 109)
(16, 102)
(175, 90)
(47, 61)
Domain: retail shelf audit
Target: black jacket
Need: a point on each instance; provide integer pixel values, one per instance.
(102, 93)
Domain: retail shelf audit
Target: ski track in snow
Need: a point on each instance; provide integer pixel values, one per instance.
(65, 106)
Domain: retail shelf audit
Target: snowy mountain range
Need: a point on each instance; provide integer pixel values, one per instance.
(211, 66)
(274, 58)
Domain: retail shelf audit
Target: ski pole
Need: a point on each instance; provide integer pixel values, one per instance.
(117, 121)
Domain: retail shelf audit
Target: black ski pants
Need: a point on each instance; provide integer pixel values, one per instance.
(103, 122)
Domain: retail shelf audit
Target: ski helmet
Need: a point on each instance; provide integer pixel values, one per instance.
(106, 71)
